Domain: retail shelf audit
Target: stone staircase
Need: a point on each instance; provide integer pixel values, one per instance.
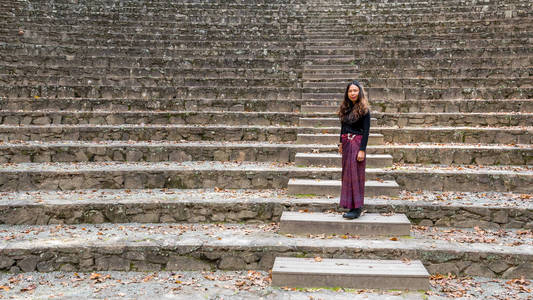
(139, 135)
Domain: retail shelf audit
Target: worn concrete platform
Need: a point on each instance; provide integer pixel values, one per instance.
(333, 223)
(351, 273)
(333, 187)
(335, 159)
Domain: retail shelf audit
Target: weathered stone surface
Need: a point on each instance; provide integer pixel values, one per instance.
(28, 263)
(112, 263)
(231, 263)
(184, 263)
(6, 262)
(522, 270)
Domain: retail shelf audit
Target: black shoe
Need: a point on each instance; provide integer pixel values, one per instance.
(353, 213)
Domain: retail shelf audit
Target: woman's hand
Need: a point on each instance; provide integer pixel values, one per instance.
(360, 155)
(340, 148)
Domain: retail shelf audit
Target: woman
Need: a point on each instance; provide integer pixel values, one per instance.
(354, 114)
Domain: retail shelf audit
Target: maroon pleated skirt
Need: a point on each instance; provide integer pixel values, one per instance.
(353, 173)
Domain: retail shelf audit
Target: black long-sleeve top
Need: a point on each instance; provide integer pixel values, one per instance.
(361, 126)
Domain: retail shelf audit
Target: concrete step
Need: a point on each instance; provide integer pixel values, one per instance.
(350, 273)
(334, 160)
(333, 187)
(334, 223)
(333, 139)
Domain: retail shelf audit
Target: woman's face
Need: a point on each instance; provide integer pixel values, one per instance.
(353, 92)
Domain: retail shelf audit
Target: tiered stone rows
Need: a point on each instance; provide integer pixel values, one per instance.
(100, 99)
(336, 52)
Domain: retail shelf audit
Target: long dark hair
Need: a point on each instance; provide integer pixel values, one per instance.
(349, 111)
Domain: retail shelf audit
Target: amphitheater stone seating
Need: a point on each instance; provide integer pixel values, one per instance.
(198, 113)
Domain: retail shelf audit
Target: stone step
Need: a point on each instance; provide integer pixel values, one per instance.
(219, 42)
(423, 93)
(107, 51)
(150, 92)
(178, 247)
(333, 139)
(136, 104)
(449, 209)
(430, 134)
(302, 223)
(334, 160)
(392, 83)
(422, 63)
(244, 15)
(397, 29)
(55, 30)
(427, 21)
(420, 52)
(430, 119)
(320, 121)
(55, 117)
(163, 30)
(149, 62)
(436, 178)
(302, 135)
(333, 187)
(268, 63)
(434, 106)
(429, 38)
(255, 104)
(71, 151)
(150, 81)
(89, 72)
(373, 20)
(437, 74)
(309, 86)
(255, 175)
(413, 42)
(148, 133)
(318, 4)
(350, 273)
